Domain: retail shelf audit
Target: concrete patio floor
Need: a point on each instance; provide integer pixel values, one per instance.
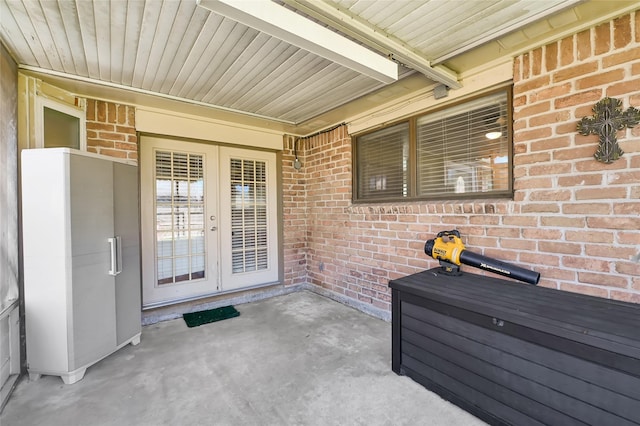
(298, 359)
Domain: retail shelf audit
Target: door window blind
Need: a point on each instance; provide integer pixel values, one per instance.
(249, 249)
(180, 230)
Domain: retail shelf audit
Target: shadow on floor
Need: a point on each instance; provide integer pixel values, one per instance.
(298, 359)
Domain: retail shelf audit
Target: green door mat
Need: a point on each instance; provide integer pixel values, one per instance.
(195, 319)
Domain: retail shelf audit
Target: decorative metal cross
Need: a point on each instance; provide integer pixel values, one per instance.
(607, 120)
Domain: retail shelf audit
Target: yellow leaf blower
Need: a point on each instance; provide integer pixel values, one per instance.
(449, 250)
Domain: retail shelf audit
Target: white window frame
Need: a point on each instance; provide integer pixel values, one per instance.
(43, 102)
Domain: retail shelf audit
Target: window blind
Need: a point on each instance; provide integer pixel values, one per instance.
(249, 248)
(461, 151)
(464, 149)
(179, 195)
(383, 163)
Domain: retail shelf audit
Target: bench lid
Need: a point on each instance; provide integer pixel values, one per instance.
(606, 324)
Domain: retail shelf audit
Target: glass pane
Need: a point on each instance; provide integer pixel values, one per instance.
(181, 246)
(261, 171)
(248, 171)
(236, 218)
(249, 193)
(249, 217)
(182, 268)
(197, 267)
(261, 236)
(60, 129)
(164, 244)
(180, 166)
(196, 191)
(196, 218)
(237, 239)
(180, 218)
(236, 170)
(196, 168)
(250, 239)
(165, 271)
(163, 165)
(250, 261)
(197, 242)
(163, 191)
(179, 222)
(383, 161)
(261, 218)
(237, 260)
(262, 259)
(459, 149)
(248, 214)
(261, 194)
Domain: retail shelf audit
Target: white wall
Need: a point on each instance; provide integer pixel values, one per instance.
(9, 253)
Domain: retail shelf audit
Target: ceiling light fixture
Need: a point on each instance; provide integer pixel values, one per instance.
(494, 129)
(493, 135)
(288, 26)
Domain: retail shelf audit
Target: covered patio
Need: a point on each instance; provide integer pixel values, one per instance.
(294, 359)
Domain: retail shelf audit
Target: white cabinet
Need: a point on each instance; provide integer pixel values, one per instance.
(81, 259)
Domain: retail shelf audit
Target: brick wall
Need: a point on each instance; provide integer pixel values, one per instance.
(294, 214)
(350, 251)
(111, 129)
(573, 219)
(587, 213)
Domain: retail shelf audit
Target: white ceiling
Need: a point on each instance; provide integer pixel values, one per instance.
(179, 51)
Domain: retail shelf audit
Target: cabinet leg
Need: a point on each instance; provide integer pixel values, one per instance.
(71, 378)
(136, 340)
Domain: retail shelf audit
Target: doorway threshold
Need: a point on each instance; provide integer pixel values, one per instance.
(176, 310)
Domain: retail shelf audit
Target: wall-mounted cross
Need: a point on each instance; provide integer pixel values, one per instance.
(608, 118)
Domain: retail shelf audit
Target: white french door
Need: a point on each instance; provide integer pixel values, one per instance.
(248, 219)
(208, 219)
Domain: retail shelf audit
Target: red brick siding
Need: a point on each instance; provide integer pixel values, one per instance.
(294, 215)
(588, 223)
(573, 219)
(111, 129)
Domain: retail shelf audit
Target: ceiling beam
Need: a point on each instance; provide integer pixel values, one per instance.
(288, 26)
(376, 38)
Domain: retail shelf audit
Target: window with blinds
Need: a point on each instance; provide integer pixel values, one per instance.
(463, 151)
(179, 194)
(382, 163)
(249, 249)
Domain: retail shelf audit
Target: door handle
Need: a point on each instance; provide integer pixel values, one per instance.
(115, 249)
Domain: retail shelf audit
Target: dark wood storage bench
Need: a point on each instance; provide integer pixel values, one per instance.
(515, 354)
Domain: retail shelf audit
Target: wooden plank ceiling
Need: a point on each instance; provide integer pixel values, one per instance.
(181, 51)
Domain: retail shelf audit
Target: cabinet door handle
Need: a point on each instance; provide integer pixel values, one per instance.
(115, 249)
